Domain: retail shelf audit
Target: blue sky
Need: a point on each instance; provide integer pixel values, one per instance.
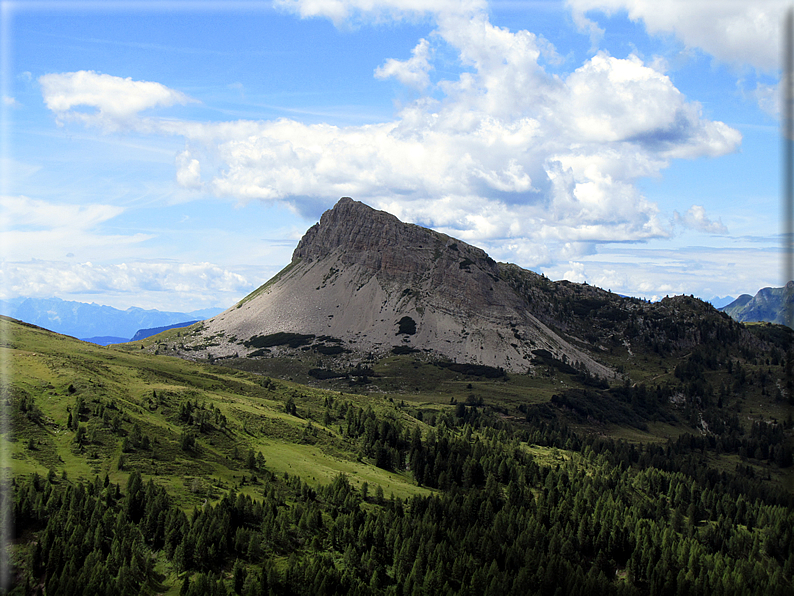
(171, 154)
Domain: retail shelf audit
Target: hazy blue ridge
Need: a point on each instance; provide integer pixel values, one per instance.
(105, 340)
(768, 305)
(720, 302)
(95, 321)
(144, 333)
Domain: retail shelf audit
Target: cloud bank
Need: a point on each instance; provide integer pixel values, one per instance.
(504, 153)
(44, 247)
(147, 282)
(50, 231)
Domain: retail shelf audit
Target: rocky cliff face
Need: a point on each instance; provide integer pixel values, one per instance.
(383, 245)
(368, 283)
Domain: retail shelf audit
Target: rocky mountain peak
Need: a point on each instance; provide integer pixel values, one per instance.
(357, 234)
(375, 284)
(350, 225)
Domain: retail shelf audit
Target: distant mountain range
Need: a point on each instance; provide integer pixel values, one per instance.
(719, 302)
(768, 305)
(94, 322)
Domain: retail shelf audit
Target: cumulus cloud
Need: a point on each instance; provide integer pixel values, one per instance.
(733, 31)
(412, 72)
(624, 100)
(696, 219)
(576, 273)
(509, 156)
(116, 100)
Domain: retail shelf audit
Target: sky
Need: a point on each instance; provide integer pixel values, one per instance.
(171, 154)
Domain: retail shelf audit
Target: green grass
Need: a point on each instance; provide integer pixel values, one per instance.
(148, 391)
(316, 467)
(658, 432)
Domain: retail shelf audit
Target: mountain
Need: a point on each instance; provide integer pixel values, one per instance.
(107, 340)
(364, 284)
(768, 305)
(94, 321)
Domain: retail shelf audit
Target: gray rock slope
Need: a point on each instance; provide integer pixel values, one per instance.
(359, 272)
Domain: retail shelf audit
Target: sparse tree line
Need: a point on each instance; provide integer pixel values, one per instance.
(604, 517)
(612, 518)
(589, 525)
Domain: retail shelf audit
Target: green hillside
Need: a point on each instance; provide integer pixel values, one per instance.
(86, 407)
(140, 473)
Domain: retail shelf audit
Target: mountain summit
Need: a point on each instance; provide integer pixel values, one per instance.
(362, 282)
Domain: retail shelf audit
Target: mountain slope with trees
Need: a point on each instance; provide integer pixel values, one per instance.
(138, 473)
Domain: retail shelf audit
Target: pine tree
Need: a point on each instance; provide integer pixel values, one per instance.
(239, 574)
(185, 589)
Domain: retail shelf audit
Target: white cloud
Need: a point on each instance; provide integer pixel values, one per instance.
(576, 273)
(341, 11)
(510, 156)
(623, 100)
(117, 100)
(188, 170)
(741, 33)
(11, 102)
(585, 25)
(737, 32)
(412, 72)
(768, 98)
(697, 219)
(156, 282)
(15, 169)
(35, 229)
(654, 273)
(57, 242)
(24, 212)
